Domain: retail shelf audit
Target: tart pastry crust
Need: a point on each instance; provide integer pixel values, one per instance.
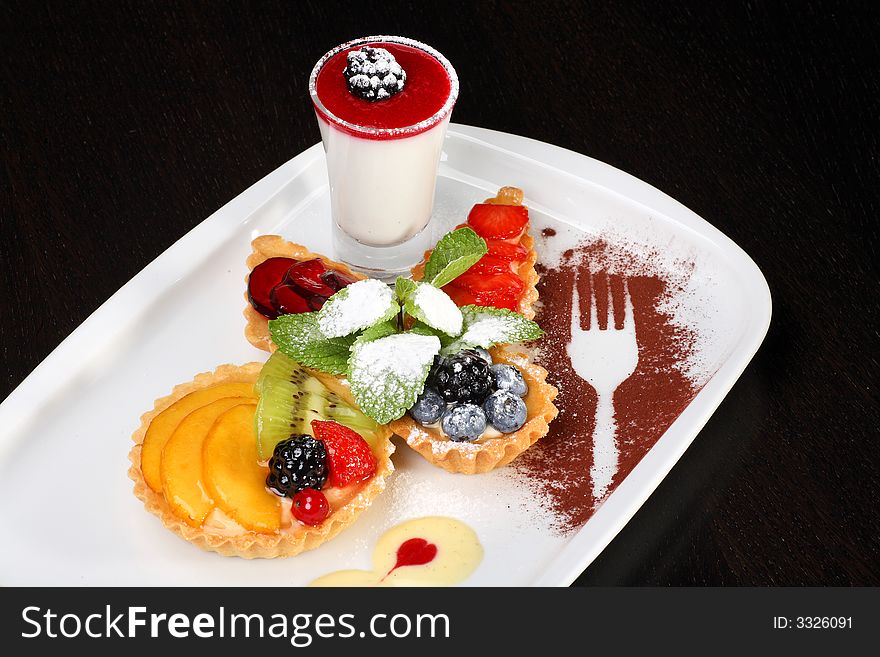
(491, 453)
(248, 544)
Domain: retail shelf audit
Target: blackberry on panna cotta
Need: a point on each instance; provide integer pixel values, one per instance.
(297, 463)
(373, 74)
(462, 378)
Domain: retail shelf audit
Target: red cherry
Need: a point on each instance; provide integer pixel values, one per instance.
(506, 250)
(310, 507)
(336, 280)
(287, 301)
(262, 279)
(306, 276)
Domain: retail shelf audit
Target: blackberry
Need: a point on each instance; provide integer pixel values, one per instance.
(505, 411)
(428, 407)
(463, 422)
(297, 463)
(507, 377)
(373, 74)
(464, 377)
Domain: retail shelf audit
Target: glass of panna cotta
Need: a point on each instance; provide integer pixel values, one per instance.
(383, 104)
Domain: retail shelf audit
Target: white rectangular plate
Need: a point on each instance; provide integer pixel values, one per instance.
(68, 426)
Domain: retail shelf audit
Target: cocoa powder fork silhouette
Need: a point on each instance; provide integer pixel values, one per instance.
(604, 358)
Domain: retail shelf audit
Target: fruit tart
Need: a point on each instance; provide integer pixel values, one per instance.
(259, 460)
(416, 357)
(481, 409)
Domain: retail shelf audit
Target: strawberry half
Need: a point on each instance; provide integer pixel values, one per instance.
(349, 457)
(489, 265)
(493, 221)
(475, 282)
(506, 250)
(459, 296)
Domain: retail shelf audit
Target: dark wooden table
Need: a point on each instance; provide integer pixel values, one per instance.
(126, 124)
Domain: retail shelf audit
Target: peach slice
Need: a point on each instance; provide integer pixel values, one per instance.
(232, 475)
(164, 424)
(181, 465)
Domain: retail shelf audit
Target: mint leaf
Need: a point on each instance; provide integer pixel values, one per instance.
(299, 337)
(454, 254)
(404, 287)
(356, 307)
(423, 329)
(433, 307)
(486, 326)
(377, 331)
(388, 374)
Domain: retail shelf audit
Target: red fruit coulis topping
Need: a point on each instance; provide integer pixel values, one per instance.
(426, 91)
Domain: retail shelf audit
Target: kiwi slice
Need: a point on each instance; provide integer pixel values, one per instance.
(290, 398)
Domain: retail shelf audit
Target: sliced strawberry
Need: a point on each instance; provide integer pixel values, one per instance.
(476, 283)
(499, 298)
(459, 296)
(498, 221)
(306, 276)
(488, 265)
(287, 301)
(506, 250)
(262, 280)
(349, 457)
(496, 298)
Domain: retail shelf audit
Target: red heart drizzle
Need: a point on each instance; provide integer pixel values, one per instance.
(414, 552)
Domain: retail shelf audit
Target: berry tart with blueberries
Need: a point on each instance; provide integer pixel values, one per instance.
(480, 408)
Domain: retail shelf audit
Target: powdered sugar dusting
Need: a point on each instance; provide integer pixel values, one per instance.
(439, 310)
(404, 355)
(355, 307)
(388, 374)
(485, 331)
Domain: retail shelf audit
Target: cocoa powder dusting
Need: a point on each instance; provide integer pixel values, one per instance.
(645, 404)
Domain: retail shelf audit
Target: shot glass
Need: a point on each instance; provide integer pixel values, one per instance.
(382, 155)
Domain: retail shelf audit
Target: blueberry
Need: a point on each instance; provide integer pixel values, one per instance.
(505, 411)
(428, 407)
(463, 422)
(507, 377)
